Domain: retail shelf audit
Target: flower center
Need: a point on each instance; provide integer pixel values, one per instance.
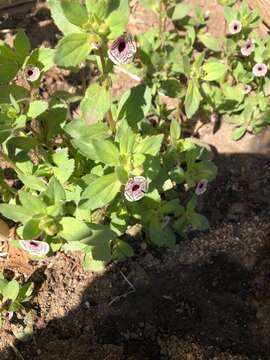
(33, 243)
(235, 27)
(135, 187)
(121, 46)
(30, 72)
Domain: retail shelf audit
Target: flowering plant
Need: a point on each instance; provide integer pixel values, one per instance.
(125, 163)
(219, 78)
(12, 295)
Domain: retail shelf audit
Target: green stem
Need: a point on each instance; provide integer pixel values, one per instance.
(109, 116)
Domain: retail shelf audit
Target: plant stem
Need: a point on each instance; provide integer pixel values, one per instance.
(109, 116)
(162, 21)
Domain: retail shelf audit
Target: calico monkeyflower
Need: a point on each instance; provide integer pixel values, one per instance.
(247, 89)
(201, 187)
(214, 118)
(248, 48)
(260, 70)
(135, 188)
(34, 247)
(32, 73)
(122, 49)
(235, 27)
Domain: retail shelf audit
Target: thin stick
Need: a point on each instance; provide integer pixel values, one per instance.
(118, 297)
(16, 351)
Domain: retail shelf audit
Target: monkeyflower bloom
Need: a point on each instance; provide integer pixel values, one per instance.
(201, 187)
(260, 70)
(247, 89)
(122, 49)
(34, 247)
(135, 188)
(214, 117)
(248, 48)
(235, 27)
(32, 73)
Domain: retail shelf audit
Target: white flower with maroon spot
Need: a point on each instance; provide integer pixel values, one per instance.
(214, 117)
(136, 188)
(260, 70)
(9, 315)
(201, 187)
(235, 27)
(247, 89)
(122, 49)
(32, 73)
(35, 247)
(248, 48)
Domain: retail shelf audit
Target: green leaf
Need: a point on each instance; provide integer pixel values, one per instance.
(64, 166)
(60, 20)
(149, 145)
(36, 108)
(238, 133)
(235, 93)
(96, 237)
(8, 63)
(99, 150)
(229, 13)
(74, 12)
(122, 174)
(180, 11)
(121, 250)
(74, 229)
(43, 58)
(25, 292)
(32, 203)
(126, 138)
(160, 235)
(78, 129)
(15, 212)
(100, 192)
(18, 92)
(32, 182)
(171, 88)
(31, 229)
(100, 8)
(198, 221)
(204, 170)
(11, 291)
(90, 264)
(214, 70)
(117, 20)
(135, 104)
(175, 131)
(193, 98)
(211, 42)
(96, 103)
(72, 50)
(22, 47)
(55, 192)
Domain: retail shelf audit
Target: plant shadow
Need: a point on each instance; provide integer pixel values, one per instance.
(211, 291)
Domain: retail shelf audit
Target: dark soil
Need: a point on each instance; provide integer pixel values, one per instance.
(208, 299)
